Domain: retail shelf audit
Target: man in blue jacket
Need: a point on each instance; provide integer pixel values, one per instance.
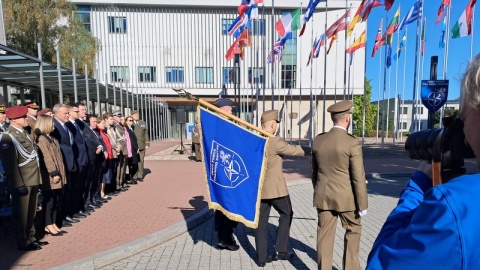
(437, 227)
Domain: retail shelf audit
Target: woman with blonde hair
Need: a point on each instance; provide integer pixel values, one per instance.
(52, 171)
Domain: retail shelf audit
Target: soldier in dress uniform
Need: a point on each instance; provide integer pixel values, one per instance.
(122, 155)
(141, 131)
(275, 193)
(196, 141)
(339, 184)
(31, 115)
(3, 118)
(19, 158)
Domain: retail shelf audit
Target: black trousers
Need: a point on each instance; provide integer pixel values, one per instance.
(50, 204)
(224, 227)
(283, 205)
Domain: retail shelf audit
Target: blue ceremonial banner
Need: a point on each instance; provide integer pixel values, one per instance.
(235, 164)
(434, 94)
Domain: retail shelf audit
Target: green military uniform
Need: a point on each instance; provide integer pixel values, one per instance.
(20, 161)
(141, 131)
(196, 142)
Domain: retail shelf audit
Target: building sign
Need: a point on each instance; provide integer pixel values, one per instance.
(434, 94)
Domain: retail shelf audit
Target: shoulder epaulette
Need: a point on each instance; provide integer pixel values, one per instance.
(321, 134)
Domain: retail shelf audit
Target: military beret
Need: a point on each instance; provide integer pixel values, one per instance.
(134, 112)
(32, 105)
(342, 107)
(117, 113)
(221, 102)
(270, 115)
(16, 112)
(44, 111)
(2, 108)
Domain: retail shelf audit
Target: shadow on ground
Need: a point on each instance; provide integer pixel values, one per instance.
(391, 187)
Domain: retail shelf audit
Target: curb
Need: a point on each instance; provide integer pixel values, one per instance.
(132, 248)
(129, 249)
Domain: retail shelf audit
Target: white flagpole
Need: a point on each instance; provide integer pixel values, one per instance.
(471, 39)
(422, 65)
(403, 84)
(325, 71)
(395, 118)
(445, 56)
(347, 20)
(384, 83)
(415, 71)
(387, 115)
(378, 92)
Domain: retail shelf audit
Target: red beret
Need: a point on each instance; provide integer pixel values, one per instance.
(16, 112)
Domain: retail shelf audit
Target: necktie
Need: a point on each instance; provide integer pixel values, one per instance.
(69, 134)
(136, 122)
(78, 129)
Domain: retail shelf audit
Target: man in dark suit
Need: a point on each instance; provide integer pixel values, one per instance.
(141, 131)
(19, 159)
(3, 124)
(94, 148)
(340, 189)
(65, 139)
(275, 193)
(78, 178)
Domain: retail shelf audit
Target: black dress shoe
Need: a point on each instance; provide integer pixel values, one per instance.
(134, 182)
(93, 206)
(41, 243)
(140, 179)
(31, 247)
(71, 220)
(66, 224)
(79, 215)
(283, 256)
(229, 246)
(263, 264)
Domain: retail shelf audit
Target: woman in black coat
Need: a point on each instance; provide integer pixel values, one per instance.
(133, 160)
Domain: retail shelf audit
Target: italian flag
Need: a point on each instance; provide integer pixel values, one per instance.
(463, 27)
(288, 22)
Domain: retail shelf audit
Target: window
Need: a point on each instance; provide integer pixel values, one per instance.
(228, 75)
(404, 110)
(258, 27)
(147, 74)
(174, 74)
(204, 75)
(256, 75)
(84, 13)
(225, 25)
(404, 125)
(289, 73)
(117, 24)
(418, 109)
(119, 74)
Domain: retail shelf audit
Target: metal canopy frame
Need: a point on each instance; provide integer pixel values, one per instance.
(21, 70)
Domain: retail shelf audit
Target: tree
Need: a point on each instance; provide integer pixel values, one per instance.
(370, 112)
(50, 23)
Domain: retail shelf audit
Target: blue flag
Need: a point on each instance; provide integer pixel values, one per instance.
(412, 15)
(235, 165)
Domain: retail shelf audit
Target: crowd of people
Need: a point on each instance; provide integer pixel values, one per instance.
(68, 164)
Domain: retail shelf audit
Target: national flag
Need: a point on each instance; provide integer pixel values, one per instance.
(463, 27)
(288, 22)
(392, 27)
(413, 14)
(356, 19)
(367, 7)
(334, 37)
(440, 10)
(423, 37)
(241, 9)
(388, 4)
(444, 30)
(378, 39)
(340, 25)
(235, 26)
(234, 167)
(251, 2)
(316, 48)
(312, 51)
(252, 12)
(276, 53)
(244, 40)
(312, 4)
(359, 43)
(400, 48)
(389, 56)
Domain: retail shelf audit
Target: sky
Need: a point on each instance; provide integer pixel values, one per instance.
(458, 52)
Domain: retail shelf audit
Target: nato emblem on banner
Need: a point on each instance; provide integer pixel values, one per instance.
(235, 162)
(434, 94)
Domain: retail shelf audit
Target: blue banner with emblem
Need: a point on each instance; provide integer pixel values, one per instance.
(434, 94)
(235, 163)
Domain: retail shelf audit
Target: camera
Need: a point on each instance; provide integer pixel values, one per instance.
(431, 144)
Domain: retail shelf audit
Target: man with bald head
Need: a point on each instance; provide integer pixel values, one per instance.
(340, 190)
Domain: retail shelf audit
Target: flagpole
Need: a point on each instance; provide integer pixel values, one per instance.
(387, 115)
(310, 133)
(364, 90)
(272, 79)
(415, 70)
(378, 92)
(395, 118)
(419, 83)
(471, 40)
(403, 84)
(347, 19)
(384, 83)
(325, 71)
(445, 56)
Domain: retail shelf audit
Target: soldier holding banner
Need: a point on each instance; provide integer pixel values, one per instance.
(223, 225)
(275, 193)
